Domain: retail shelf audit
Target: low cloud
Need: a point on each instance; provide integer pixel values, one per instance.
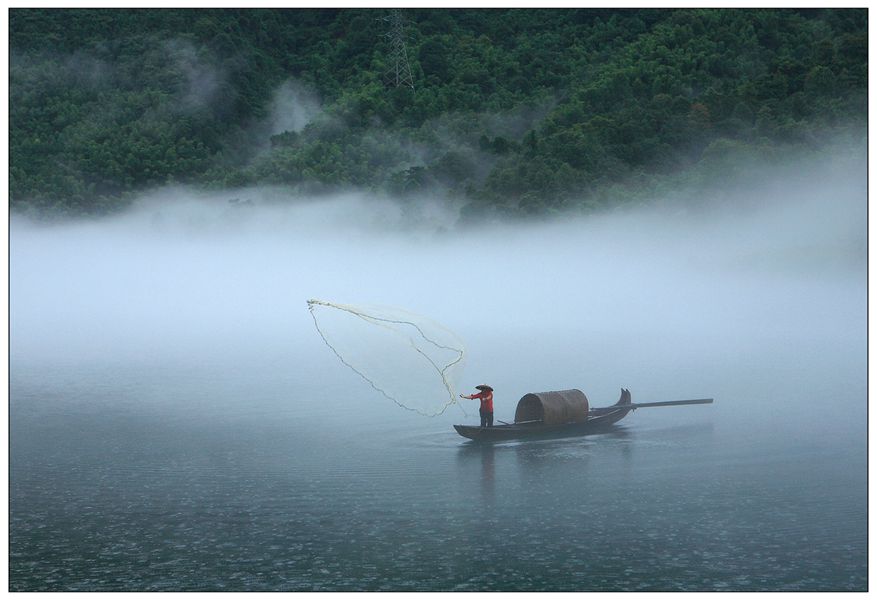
(760, 296)
(293, 106)
(202, 76)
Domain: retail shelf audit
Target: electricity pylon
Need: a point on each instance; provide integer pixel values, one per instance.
(399, 71)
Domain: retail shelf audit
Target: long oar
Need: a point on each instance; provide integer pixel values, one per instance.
(606, 409)
(650, 404)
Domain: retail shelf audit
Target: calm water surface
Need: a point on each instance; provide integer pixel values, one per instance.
(152, 479)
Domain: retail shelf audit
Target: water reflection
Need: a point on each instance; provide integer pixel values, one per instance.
(485, 454)
(488, 472)
(538, 453)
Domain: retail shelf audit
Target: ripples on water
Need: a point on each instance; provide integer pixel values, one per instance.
(126, 496)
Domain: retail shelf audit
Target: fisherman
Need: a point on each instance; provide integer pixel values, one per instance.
(486, 397)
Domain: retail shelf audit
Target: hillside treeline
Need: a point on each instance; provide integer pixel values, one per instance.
(514, 111)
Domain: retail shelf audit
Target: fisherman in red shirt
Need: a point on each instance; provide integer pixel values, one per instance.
(486, 410)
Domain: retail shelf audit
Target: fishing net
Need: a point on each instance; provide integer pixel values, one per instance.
(409, 359)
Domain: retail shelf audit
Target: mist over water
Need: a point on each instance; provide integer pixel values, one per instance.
(177, 423)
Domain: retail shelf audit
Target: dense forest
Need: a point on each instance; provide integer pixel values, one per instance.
(514, 112)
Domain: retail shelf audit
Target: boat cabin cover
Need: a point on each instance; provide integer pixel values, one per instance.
(553, 408)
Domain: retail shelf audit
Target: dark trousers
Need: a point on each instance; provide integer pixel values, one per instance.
(486, 418)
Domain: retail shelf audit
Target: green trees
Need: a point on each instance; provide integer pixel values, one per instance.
(520, 111)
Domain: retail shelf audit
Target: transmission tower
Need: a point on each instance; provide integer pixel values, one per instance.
(399, 71)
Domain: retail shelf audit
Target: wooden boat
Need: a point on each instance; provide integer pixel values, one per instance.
(563, 413)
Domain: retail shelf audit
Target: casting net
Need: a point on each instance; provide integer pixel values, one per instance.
(409, 359)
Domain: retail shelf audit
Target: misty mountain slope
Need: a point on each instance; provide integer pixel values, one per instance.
(513, 112)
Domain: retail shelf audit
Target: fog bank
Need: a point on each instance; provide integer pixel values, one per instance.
(766, 296)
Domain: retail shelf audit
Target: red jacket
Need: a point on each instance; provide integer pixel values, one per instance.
(486, 398)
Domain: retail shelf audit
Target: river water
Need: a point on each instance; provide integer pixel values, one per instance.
(177, 424)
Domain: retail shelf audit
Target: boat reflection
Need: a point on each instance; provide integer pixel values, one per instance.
(486, 455)
(536, 453)
(534, 456)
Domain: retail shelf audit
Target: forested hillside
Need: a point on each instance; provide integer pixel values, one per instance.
(511, 111)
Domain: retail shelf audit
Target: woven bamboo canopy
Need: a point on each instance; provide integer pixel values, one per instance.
(553, 408)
